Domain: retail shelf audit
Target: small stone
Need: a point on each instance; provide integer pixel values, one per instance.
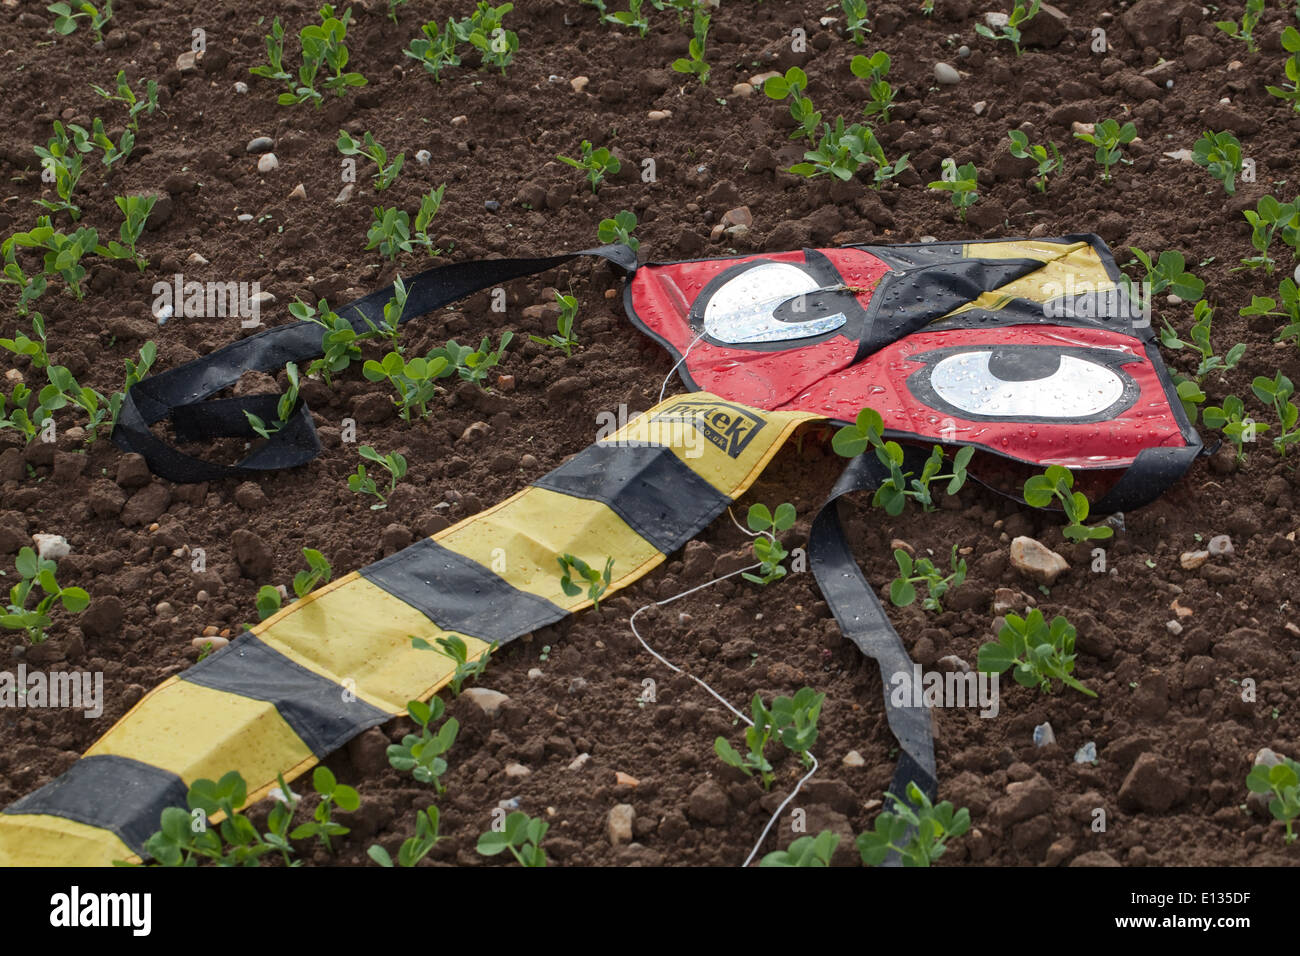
(299, 192)
(188, 61)
(1174, 627)
(210, 631)
(344, 194)
(241, 87)
(459, 120)
(740, 216)
(1182, 155)
(996, 20)
(164, 609)
(1078, 127)
(261, 300)
(1220, 546)
(1191, 560)
(488, 701)
(1182, 612)
(491, 205)
(267, 162)
(578, 686)
(657, 116)
(1036, 561)
(244, 217)
(475, 431)
(1234, 66)
(579, 83)
(1043, 735)
(622, 779)
(946, 74)
(742, 90)
(53, 547)
(535, 673)
(953, 664)
(216, 642)
(580, 761)
(963, 51)
(854, 759)
(506, 383)
(517, 771)
(619, 824)
(262, 144)
(423, 156)
(1087, 753)
(195, 259)
(980, 107)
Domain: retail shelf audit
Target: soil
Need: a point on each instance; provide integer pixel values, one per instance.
(1174, 737)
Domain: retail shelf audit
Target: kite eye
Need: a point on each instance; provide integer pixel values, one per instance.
(770, 302)
(1025, 383)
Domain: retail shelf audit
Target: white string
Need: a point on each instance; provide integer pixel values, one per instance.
(671, 371)
(673, 667)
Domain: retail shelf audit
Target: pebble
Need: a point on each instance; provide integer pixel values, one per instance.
(1174, 627)
(578, 685)
(963, 51)
(656, 116)
(619, 824)
(1191, 560)
(579, 83)
(14, 376)
(952, 663)
(510, 804)
(929, 239)
(506, 383)
(210, 631)
(475, 431)
(262, 299)
(267, 162)
(217, 642)
(1077, 127)
(423, 156)
(188, 61)
(241, 87)
(1036, 561)
(1182, 155)
(299, 192)
(1220, 546)
(459, 120)
(344, 195)
(491, 205)
(53, 547)
(196, 260)
(622, 779)
(244, 217)
(164, 609)
(854, 759)
(1179, 610)
(980, 107)
(579, 761)
(535, 673)
(1043, 735)
(488, 701)
(946, 74)
(517, 771)
(1087, 753)
(262, 144)
(742, 90)
(163, 314)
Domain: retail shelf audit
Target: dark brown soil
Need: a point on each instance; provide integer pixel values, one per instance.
(1175, 700)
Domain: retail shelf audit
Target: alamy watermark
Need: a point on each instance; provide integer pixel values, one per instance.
(75, 690)
(1085, 300)
(208, 300)
(918, 688)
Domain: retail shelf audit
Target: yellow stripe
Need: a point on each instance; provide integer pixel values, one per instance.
(1067, 268)
(37, 839)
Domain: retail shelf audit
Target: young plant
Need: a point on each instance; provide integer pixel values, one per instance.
(1108, 136)
(413, 849)
(385, 172)
(113, 152)
(414, 380)
(390, 232)
(66, 16)
(963, 186)
(1286, 305)
(422, 753)
(1291, 92)
(332, 794)
(1168, 274)
(318, 572)
(694, 62)
(268, 601)
(756, 738)
(36, 572)
(471, 365)
(1236, 425)
(1047, 165)
(485, 32)
(1281, 781)
(30, 288)
(392, 9)
(1011, 31)
(564, 337)
(135, 105)
(932, 827)
(767, 547)
(1057, 483)
(619, 229)
(597, 582)
(842, 150)
(35, 349)
(135, 212)
(902, 590)
(522, 836)
(323, 48)
(64, 390)
(855, 19)
(62, 253)
(632, 17)
(436, 50)
(1035, 652)
(791, 86)
(1202, 316)
(362, 483)
(61, 163)
(795, 721)
(596, 163)
(454, 647)
(1276, 393)
(430, 203)
(867, 431)
(338, 342)
(873, 70)
(279, 817)
(1220, 153)
(185, 837)
(1244, 31)
(18, 418)
(805, 851)
(1268, 218)
(284, 408)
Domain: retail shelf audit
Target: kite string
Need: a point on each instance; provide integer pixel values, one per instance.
(673, 667)
(677, 365)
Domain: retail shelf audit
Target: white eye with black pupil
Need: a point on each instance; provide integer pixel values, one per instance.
(750, 307)
(1033, 383)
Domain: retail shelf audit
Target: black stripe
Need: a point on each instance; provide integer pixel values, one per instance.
(459, 594)
(647, 486)
(320, 711)
(113, 793)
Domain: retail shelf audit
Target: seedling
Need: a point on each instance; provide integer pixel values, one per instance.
(34, 349)
(332, 793)
(385, 173)
(186, 836)
(323, 46)
(683, 7)
(806, 850)
(1168, 274)
(795, 720)
(1047, 165)
(268, 601)
(61, 158)
(318, 572)
(694, 63)
(66, 17)
(64, 390)
(1202, 316)
(1244, 31)
(756, 738)
(279, 816)
(596, 163)
(36, 572)
(767, 547)
(1236, 425)
(1286, 305)
(284, 408)
(392, 9)
(1011, 30)
(596, 582)
(413, 849)
(843, 150)
(113, 152)
(868, 432)
(1057, 482)
(1108, 136)
(1276, 392)
(362, 483)
(1035, 652)
(963, 186)
(1220, 153)
(791, 86)
(414, 380)
(436, 50)
(338, 343)
(134, 104)
(855, 19)
(390, 232)
(902, 590)
(422, 753)
(470, 365)
(30, 288)
(430, 203)
(522, 836)
(1291, 92)
(564, 337)
(1282, 782)
(454, 647)
(632, 17)
(18, 418)
(931, 827)
(1268, 218)
(484, 31)
(619, 229)
(135, 212)
(874, 69)
(389, 325)
(62, 253)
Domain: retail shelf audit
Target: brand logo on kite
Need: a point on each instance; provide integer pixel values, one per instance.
(728, 427)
